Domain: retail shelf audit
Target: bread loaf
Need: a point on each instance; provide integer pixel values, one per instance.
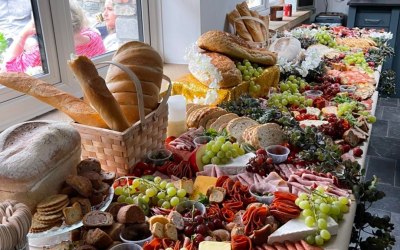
(147, 64)
(223, 119)
(35, 157)
(214, 69)
(237, 126)
(96, 91)
(74, 107)
(239, 25)
(235, 47)
(262, 27)
(252, 26)
(132, 112)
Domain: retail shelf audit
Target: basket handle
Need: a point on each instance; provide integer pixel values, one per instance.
(250, 18)
(139, 91)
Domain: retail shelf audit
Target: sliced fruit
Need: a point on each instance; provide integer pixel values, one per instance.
(195, 158)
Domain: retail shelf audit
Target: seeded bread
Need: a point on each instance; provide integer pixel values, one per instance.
(213, 113)
(72, 214)
(236, 127)
(98, 238)
(170, 231)
(248, 134)
(157, 230)
(222, 120)
(268, 134)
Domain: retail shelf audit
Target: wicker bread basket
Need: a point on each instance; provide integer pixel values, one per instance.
(269, 33)
(119, 151)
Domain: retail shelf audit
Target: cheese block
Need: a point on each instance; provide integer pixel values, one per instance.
(201, 185)
(35, 158)
(313, 111)
(295, 230)
(214, 245)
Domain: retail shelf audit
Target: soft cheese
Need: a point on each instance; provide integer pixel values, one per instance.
(214, 245)
(295, 230)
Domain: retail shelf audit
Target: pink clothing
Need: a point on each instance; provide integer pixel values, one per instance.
(32, 58)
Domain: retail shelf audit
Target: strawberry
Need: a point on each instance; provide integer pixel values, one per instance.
(357, 152)
(345, 148)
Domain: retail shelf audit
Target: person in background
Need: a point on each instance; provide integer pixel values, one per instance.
(111, 41)
(14, 16)
(23, 54)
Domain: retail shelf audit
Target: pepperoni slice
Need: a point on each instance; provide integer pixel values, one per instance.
(241, 242)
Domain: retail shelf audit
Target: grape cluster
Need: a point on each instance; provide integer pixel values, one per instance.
(346, 108)
(260, 164)
(293, 84)
(250, 71)
(335, 128)
(358, 59)
(197, 224)
(323, 37)
(152, 193)
(220, 151)
(287, 99)
(316, 207)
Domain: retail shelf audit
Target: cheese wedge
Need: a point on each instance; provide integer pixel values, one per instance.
(295, 230)
(201, 185)
(214, 245)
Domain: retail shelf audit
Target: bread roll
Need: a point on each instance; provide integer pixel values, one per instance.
(146, 63)
(214, 70)
(252, 26)
(239, 25)
(74, 107)
(35, 157)
(96, 91)
(233, 46)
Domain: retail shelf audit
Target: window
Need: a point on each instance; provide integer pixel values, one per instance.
(38, 36)
(261, 6)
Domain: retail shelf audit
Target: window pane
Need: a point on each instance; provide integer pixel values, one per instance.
(21, 43)
(254, 3)
(107, 25)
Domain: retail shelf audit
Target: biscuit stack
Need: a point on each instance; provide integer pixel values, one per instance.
(15, 221)
(49, 213)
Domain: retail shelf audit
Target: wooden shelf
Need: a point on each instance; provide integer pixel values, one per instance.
(288, 23)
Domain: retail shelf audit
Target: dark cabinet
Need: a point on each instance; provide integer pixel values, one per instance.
(379, 15)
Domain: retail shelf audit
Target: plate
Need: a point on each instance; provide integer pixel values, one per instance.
(67, 228)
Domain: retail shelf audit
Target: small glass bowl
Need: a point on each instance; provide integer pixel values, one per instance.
(159, 157)
(266, 199)
(278, 153)
(127, 246)
(347, 88)
(181, 207)
(201, 140)
(313, 94)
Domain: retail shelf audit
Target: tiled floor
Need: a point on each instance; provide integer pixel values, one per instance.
(383, 160)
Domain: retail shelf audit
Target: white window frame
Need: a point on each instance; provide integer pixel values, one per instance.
(54, 15)
(263, 8)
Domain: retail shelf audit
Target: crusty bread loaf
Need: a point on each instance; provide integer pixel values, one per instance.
(237, 126)
(131, 214)
(132, 112)
(265, 19)
(74, 107)
(127, 98)
(35, 157)
(239, 25)
(147, 64)
(233, 46)
(214, 69)
(97, 93)
(261, 26)
(214, 114)
(223, 119)
(193, 108)
(252, 26)
(268, 134)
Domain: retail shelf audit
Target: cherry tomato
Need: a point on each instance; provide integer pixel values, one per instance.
(137, 172)
(142, 165)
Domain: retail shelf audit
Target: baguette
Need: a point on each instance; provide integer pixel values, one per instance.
(234, 46)
(240, 27)
(262, 28)
(252, 26)
(74, 107)
(96, 91)
(265, 19)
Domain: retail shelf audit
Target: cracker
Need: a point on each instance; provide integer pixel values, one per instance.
(53, 210)
(52, 201)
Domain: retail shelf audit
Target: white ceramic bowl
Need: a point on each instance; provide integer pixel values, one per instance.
(266, 199)
(278, 153)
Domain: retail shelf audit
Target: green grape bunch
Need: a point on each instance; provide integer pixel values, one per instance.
(293, 84)
(220, 151)
(323, 37)
(250, 71)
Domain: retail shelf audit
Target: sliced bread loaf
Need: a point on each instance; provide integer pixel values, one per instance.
(214, 113)
(223, 119)
(268, 134)
(236, 127)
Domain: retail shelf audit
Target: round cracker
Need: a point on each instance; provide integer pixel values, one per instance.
(52, 200)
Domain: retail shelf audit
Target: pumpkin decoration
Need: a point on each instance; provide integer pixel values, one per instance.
(147, 64)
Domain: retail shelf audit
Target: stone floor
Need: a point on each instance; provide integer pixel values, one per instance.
(383, 160)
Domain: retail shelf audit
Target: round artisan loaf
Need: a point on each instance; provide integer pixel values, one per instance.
(35, 157)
